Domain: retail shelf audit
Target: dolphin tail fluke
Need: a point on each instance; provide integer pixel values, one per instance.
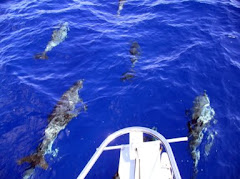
(34, 160)
(41, 56)
(28, 173)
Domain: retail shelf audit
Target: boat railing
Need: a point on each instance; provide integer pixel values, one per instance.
(124, 131)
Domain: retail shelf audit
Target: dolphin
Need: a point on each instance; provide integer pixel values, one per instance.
(202, 115)
(120, 6)
(135, 48)
(134, 52)
(128, 75)
(58, 36)
(62, 114)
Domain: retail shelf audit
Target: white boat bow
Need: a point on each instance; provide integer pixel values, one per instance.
(139, 159)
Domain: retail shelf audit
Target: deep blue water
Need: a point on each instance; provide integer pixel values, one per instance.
(186, 47)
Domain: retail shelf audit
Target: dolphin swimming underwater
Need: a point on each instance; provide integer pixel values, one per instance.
(135, 49)
(128, 75)
(134, 52)
(58, 36)
(201, 117)
(120, 6)
(62, 114)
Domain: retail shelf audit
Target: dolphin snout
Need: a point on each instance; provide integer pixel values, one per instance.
(80, 83)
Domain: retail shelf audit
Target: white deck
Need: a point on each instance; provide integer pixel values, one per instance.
(143, 160)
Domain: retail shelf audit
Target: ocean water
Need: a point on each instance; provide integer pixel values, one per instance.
(186, 47)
